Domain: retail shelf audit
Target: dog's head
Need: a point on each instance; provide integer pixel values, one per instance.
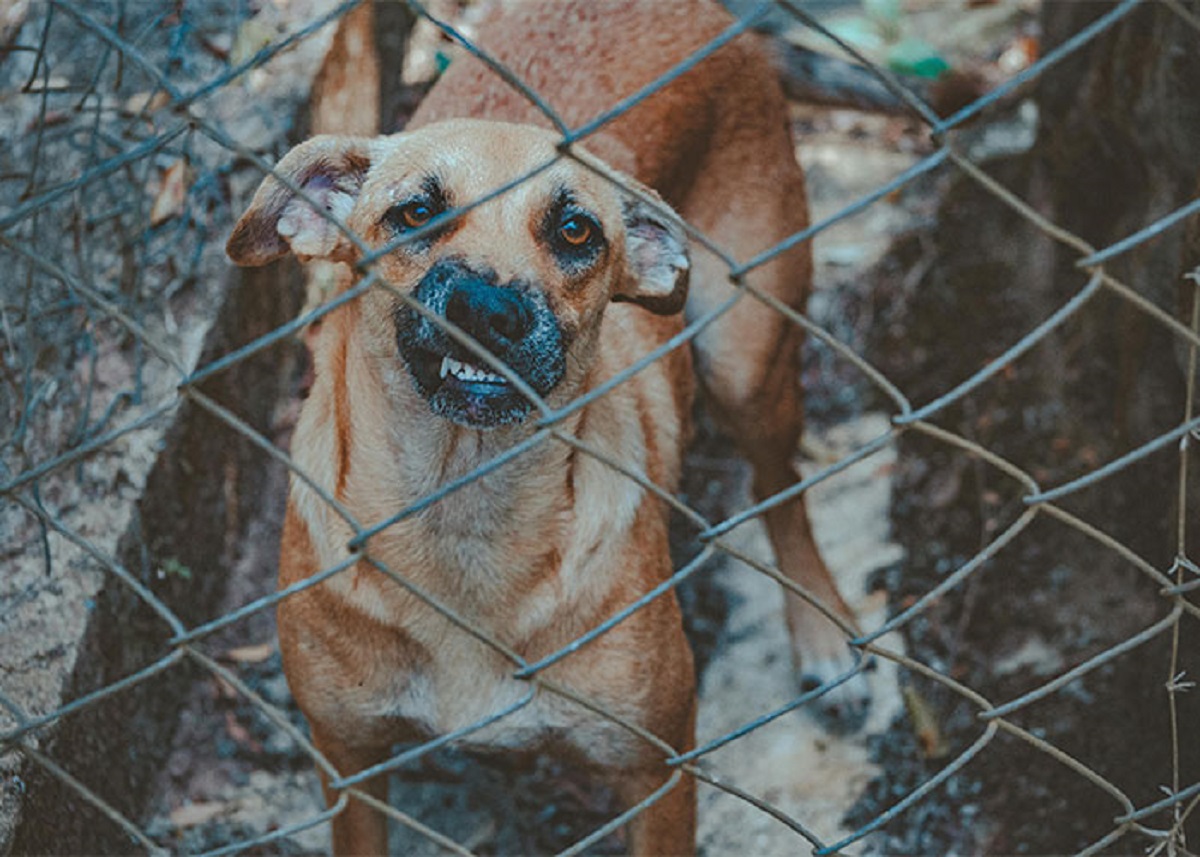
(524, 268)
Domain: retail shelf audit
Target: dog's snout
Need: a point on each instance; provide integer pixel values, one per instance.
(492, 314)
(513, 321)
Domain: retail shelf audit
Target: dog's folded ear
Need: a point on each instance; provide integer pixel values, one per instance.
(656, 248)
(329, 170)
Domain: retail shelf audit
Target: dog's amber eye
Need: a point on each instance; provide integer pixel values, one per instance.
(575, 237)
(413, 215)
(576, 231)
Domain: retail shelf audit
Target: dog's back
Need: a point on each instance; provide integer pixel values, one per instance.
(583, 58)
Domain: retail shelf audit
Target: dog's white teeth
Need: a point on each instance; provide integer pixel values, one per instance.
(467, 372)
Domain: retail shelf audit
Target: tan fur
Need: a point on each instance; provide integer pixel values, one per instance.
(545, 548)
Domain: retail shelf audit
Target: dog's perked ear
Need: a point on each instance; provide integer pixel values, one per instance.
(656, 249)
(330, 170)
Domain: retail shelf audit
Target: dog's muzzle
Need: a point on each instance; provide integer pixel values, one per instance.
(512, 321)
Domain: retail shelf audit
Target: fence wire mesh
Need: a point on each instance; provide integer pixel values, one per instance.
(133, 131)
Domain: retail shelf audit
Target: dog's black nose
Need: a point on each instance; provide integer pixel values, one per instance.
(495, 316)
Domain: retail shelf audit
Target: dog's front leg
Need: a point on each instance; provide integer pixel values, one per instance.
(668, 826)
(359, 828)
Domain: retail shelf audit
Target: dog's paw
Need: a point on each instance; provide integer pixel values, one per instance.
(828, 667)
(844, 693)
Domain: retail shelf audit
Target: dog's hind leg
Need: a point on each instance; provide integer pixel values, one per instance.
(748, 198)
(750, 372)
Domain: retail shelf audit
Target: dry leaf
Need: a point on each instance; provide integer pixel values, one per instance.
(222, 689)
(53, 83)
(925, 724)
(50, 119)
(1020, 55)
(193, 814)
(250, 654)
(147, 102)
(945, 486)
(252, 36)
(240, 734)
(12, 16)
(172, 194)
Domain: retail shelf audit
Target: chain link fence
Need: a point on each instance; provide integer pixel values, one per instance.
(133, 134)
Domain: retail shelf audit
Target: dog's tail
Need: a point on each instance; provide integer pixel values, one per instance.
(345, 99)
(345, 96)
(817, 78)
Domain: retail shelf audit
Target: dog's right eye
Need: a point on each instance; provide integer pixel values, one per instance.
(410, 215)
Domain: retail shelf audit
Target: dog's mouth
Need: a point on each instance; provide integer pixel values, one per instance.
(464, 391)
(462, 373)
(513, 322)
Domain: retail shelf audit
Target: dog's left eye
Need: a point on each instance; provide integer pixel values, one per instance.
(576, 230)
(577, 234)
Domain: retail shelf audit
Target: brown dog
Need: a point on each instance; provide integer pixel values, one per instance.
(564, 279)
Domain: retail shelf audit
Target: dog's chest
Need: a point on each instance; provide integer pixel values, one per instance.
(461, 684)
(470, 692)
(528, 596)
